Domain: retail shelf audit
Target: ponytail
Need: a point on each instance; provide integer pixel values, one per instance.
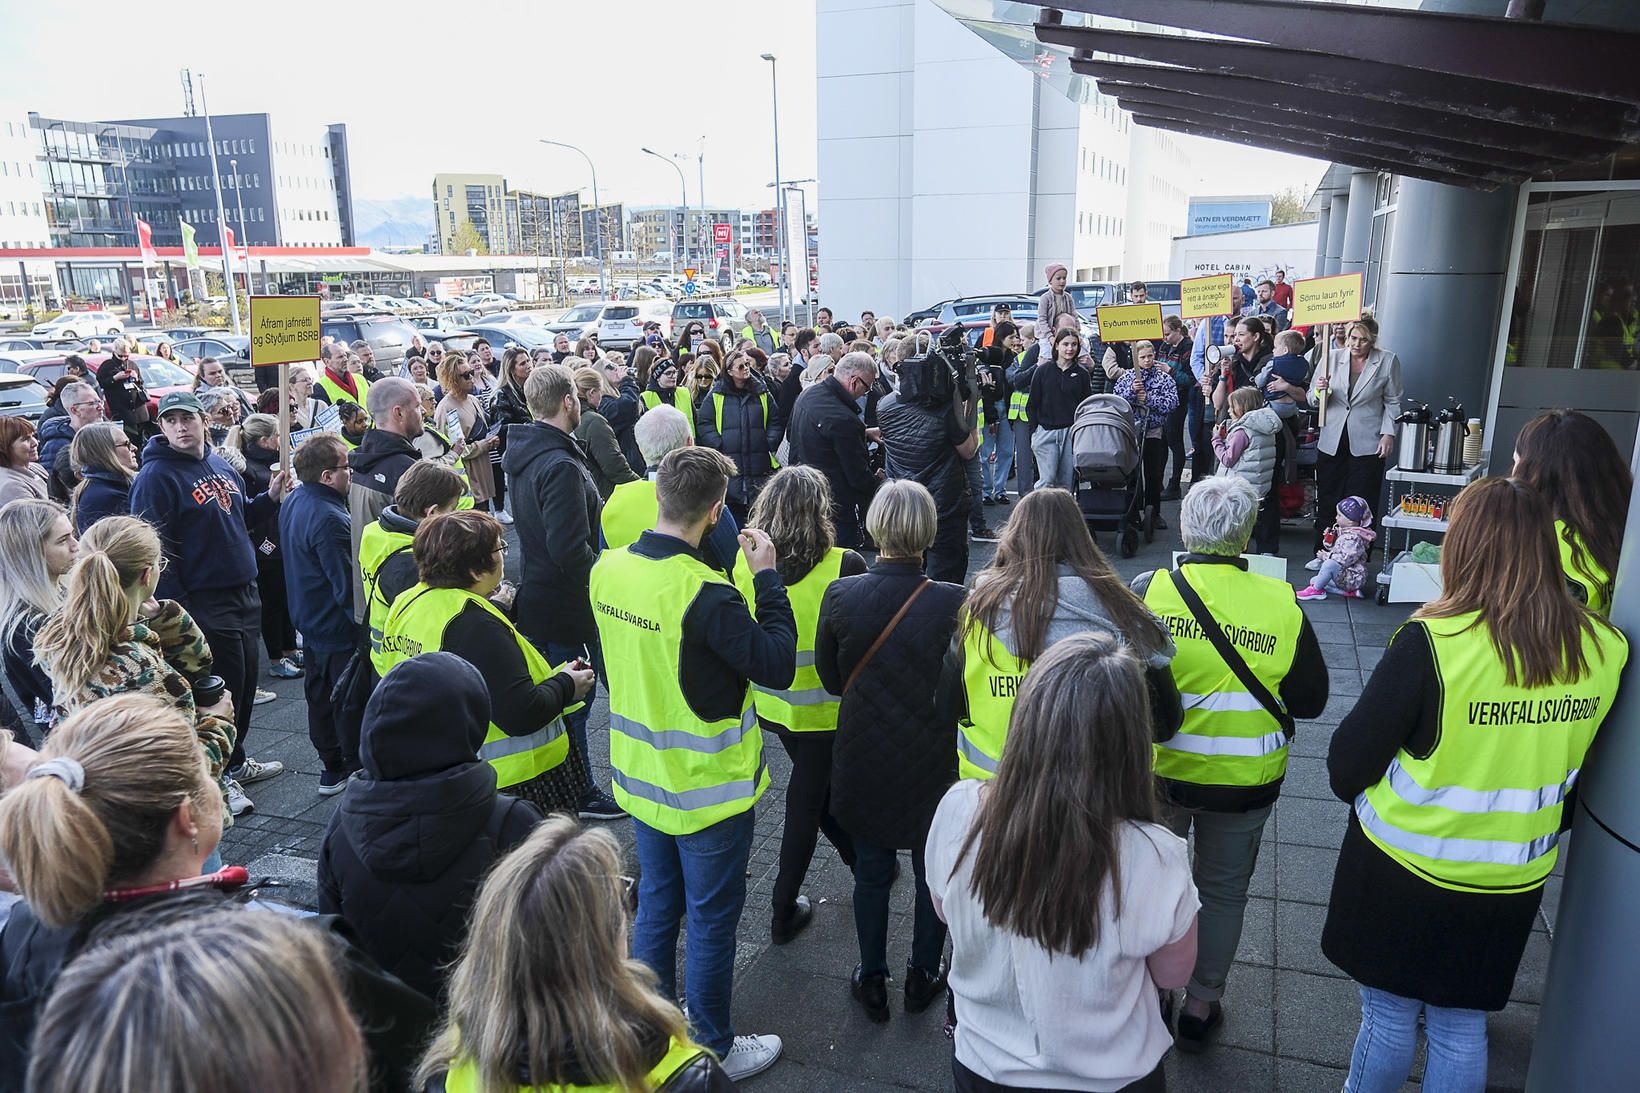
(74, 643)
(67, 843)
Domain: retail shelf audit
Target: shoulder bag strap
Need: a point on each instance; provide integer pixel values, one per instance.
(1237, 666)
(887, 630)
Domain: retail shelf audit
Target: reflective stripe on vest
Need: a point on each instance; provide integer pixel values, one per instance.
(991, 677)
(416, 625)
(673, 770)
(1482, 811)
(1227, 738)
(631, 510)
(680, 400)
(806, 705)
(376, 546)
(1016, 405)
(463, 1076)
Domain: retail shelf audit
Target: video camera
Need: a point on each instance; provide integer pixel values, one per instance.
(940, 373)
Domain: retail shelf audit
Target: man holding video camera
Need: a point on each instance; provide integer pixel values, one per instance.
(929, 435)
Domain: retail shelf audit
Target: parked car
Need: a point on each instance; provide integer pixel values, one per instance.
(761, 280)
(979, 307)
(21, 396)
(14, 342)
(578, 321)
(182, 333)
(16, 361)
(442, 321)
(234, 351)
(1090, 295)
(620, 325)
(500, 335)
(715, 315)
(389, 335)
(80, 324)
(159, 376)
(487, 303)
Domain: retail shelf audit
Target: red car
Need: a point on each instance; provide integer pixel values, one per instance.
(159, 376)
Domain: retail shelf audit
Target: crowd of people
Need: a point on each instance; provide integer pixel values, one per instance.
(759, 536)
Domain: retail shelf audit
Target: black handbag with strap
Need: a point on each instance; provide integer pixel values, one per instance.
(1231, 658)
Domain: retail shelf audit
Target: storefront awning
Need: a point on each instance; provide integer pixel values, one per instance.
(1475, 101)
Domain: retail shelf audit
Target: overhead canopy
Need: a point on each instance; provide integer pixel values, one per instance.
(1471, 100)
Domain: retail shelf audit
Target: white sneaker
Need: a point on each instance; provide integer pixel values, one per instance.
(254, 770)
(263, 697)
(1313, 565)
(751, 1055)
(504, 517)
(238, 803)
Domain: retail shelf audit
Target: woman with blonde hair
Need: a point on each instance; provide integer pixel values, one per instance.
(794, 511)
(107, 464)
(132, 1012)
(878, 645)
(1059, 944)
(1047, 581)
(605, 459)
(37, 548)
(1458, 761)
(119, 810)
(546, 994)
(458, 375)
(112, 637)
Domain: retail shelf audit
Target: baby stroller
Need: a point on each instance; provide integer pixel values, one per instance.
(1105, 445)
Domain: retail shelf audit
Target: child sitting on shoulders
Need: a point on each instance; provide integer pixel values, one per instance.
(1341, 567)
(1290, 366)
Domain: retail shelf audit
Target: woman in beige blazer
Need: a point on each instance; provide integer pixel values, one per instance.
(1362, 387)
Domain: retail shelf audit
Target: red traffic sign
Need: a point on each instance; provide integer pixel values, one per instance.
(720, 233)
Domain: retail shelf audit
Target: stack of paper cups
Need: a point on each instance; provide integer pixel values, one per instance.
(1472, 443)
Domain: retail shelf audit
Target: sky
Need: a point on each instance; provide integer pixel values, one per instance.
(473, 86)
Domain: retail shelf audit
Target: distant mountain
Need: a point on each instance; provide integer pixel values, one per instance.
(393, 221)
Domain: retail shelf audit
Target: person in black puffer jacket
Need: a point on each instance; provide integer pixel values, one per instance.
(404, 854)
(741, 419)
(894, 756)
(932, 444)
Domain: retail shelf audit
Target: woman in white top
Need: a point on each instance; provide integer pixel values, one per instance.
(1047, 995)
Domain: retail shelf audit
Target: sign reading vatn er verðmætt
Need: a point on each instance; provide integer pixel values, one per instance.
(1130, 322)
(284, 329)
(1204, 297)
(1335, 299)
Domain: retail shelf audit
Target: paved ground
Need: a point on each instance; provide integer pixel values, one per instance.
(1290, 1017)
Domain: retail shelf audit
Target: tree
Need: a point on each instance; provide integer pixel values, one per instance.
(466, 238)
(1288, 207)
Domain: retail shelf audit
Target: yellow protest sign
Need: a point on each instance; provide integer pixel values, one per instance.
(284, 329)
(1130, 322)
(1335, 299)
(1204, 297)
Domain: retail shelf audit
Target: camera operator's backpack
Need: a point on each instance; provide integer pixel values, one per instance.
(925, 377)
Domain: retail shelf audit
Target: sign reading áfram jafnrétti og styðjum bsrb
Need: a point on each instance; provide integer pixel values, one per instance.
(1334, 299)
(1130, 322)
(284, 329)
(1205, 297)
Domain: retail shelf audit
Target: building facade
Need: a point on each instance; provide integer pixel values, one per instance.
(479, 200)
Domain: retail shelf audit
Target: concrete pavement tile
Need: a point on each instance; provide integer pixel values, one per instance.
(1311, 740)
(1307, 777)
(1304, 873)
(1296, 1076)
(1311, 823)
(1510, 1033)
(1549, 910)
(1317, 1017)
(1374, 632)
(1333, 609)
(1258, 933)
(1370, 655)
(1263, 882)
(1298, 938)
(793, 1076)
(1339, 656)
(1218, 1069)
(1338, 705)
(1343, 682)
(1333, 633)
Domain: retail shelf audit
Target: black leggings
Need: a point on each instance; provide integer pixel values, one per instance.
(1154, 454)
(278, 632)
(1343, 475)
(808, 814)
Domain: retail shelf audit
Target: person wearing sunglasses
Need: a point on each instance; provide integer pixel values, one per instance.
(462, 401)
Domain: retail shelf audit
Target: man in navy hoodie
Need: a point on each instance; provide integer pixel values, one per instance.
(197, 503)
(315, 536)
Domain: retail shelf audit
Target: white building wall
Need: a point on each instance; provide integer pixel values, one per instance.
(304, 189)
(22, 210)
(1162, 175)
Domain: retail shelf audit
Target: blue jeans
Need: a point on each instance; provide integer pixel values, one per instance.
(1000, 447)
(702, 875)
(1384, 1048)
(873, 879)
(593, 653)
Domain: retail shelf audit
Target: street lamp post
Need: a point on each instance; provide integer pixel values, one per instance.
(221, 213)
(597, 215)
(683, 186)
(803, 234)
(779, 198)
(244, 232)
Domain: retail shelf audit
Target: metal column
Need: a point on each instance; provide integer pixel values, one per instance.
(1321, 225)
(1352, 257)
(1585, 1033)
(1335, 233)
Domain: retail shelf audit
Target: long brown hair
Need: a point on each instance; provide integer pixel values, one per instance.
(1575, 465)
(794, 510)
(1076, 769)
(1047, 531)
(545, 981)
(1499, 559)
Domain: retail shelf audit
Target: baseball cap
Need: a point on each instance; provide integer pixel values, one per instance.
(181, 400)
